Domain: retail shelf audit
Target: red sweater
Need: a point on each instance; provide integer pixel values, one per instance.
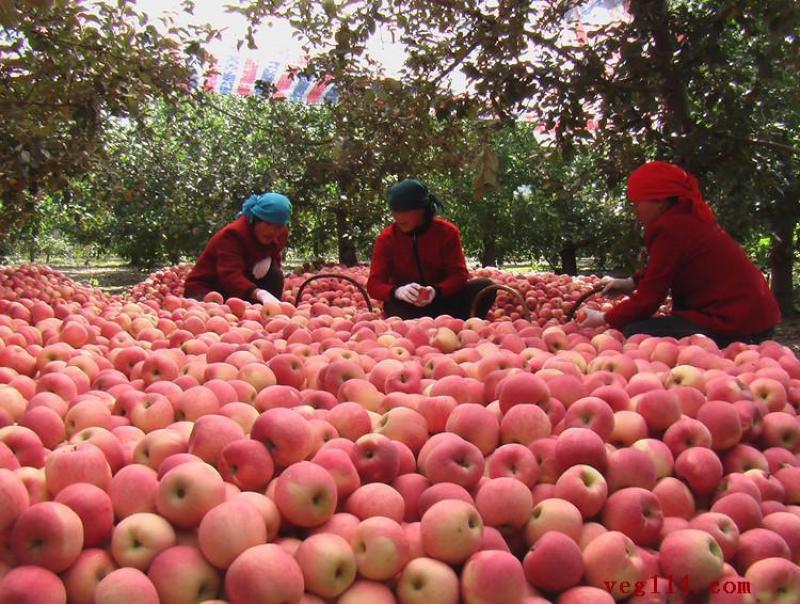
(713, 282)
(226, 265)
(434, 257)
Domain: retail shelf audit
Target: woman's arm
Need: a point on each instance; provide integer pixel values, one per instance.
(380, 284)
(654, 285)
(232, 268)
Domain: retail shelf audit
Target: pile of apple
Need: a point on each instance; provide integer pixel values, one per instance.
(548, 296)
(180, 451)
(161, 283)
(38, 282)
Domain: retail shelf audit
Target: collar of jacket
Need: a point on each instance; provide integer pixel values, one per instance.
(420, 230)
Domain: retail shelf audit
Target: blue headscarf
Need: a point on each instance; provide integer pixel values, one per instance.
(270, 207)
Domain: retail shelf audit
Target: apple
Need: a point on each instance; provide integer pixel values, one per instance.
(133, 489)
(553, 514)
(629, 427)
(139, 538)
(83, 576)
(14, 499)
(93, 506)
(246, 463)
(425, 580)
(610, 560)
(492, 577)
(406, 426)
(453, 460)
(367, 592)
(47, 534)
(786, 525)
(305, 494)
(181, 574)
(286, 435)
(376, 499)
(187, 492)
(157, 445)
(722, 528)
(580, 446)
(700, 468)
(635, 512)
(476, 424)
(584, 487)
(686, 433)
(554, 563)
(32, 585)
(774, 580)
(210, 435)
(451, 531)
(630, 467)
(229, 529)
(514, 461)
(521, 388)
(524, 424)
(381, 548)
(126, 584)
(722, 420)
(327, 563)
(504, 503)
(744, 510)
(759, 544)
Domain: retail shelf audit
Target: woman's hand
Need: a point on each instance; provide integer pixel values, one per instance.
(618, 287)
(425, 296)
(408, 293)
(265, 297)
(594, 318)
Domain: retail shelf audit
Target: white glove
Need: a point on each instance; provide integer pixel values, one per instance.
(425, 297)
(408, 293)
(264, 297)
(617, 287)
(262, 268)
(594, 318)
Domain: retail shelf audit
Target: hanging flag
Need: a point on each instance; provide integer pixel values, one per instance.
(247, 75)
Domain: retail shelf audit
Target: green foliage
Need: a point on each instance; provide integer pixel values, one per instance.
(67, 67)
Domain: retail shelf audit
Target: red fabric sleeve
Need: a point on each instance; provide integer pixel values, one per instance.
(455, 265)
(379, 283)
(654, 285)
(232, 268)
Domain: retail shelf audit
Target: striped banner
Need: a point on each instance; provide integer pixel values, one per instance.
(245, 75)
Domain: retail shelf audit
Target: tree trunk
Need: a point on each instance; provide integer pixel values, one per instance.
(569, 259)
(347, 246)
(489, 234)
(781, 262)
(489, 251)
(784, 224)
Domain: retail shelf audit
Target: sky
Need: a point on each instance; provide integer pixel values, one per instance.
(274, 39)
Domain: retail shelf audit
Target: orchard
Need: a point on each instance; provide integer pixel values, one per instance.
(160, 449)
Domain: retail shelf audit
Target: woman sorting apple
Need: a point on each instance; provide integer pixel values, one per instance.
(243, 259)
(716, 290)
(418, 267)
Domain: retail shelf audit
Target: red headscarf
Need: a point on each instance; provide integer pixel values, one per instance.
(659, 180)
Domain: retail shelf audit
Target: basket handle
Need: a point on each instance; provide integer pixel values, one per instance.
(597, 288)
(360, 287)
(495, 288)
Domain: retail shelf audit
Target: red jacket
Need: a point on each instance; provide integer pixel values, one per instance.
(713, 282)
(434, 257)
(226, 265)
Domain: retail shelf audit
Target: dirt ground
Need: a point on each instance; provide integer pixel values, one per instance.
(116, 279)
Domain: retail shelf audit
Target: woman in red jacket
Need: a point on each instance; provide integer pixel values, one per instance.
(418, 267)
(716, 290)
(243, 260)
